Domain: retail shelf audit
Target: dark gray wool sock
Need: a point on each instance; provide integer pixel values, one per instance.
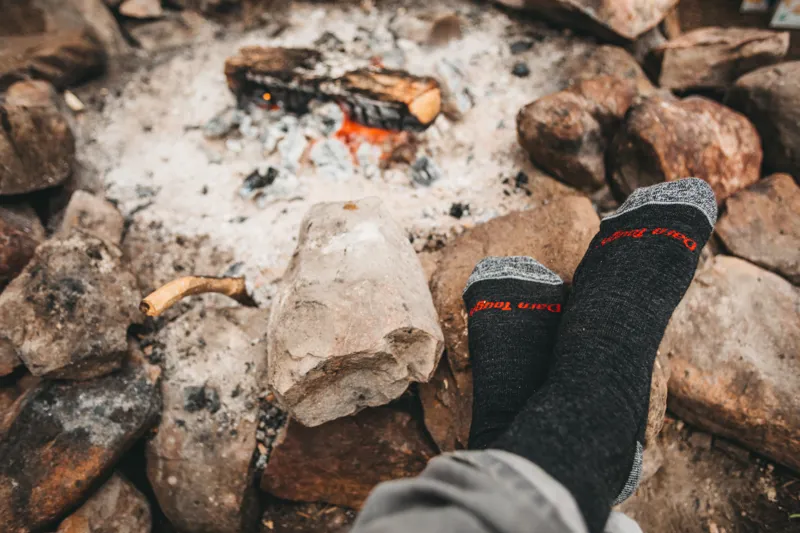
(514, 305)
(584, 425)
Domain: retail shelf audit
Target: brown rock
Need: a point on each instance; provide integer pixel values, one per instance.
(608, 19)
(557, 235)
(658, 399)
(173, 30)
(762, 224)
(20, 234)
(9, 394)
(62, 58)
(68, 312)
(373, 446)
(567, 133)
(733, 372)
(116, 507)
(65, 437)
(141, 9)
(664, 140)
(770, 97)
(607, 60)
(37, 148)
(713, 58)
(200, 463)
(94, 216)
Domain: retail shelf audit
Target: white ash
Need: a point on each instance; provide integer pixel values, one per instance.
(424, 171)
(184, 90)
(333, 159)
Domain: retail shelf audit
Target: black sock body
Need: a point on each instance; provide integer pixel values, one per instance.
(514, 304)
(583, 425)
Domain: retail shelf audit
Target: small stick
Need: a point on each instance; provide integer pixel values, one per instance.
(165, 297)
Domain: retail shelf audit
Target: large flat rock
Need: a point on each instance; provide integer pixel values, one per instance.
(733, 346)
(200, 463)
(68, 312)
(353, 322)
(65, 436)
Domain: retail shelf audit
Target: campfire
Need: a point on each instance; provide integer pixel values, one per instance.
(234, 237)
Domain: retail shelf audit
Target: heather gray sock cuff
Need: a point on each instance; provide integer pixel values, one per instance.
(689, 191)
(515, 267)
(633, 478)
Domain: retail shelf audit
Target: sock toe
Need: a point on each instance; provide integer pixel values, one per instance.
(689, 191)
(514, 267)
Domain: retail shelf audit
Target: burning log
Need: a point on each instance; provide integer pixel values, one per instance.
(294, 77)
(165, 297)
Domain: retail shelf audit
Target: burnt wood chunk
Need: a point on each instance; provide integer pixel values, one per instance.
(294, 77)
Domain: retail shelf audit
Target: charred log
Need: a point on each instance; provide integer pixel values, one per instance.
(293, 78)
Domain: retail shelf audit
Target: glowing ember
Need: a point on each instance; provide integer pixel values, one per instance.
(353, 134)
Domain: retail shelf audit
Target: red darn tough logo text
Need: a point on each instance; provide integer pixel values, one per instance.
(641, 232)
(508, 306)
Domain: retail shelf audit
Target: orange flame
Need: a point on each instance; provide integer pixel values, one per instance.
(353, 134)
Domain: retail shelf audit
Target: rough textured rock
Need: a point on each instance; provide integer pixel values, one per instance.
(353, 323)
(567, 133)
(95, 216)
(200, 463)
(68, 312)
(173, 30)
(609, 19)
(116, 507)
(37, 148)
(557, 235)
(664, 140)
(713, 58)
(770, 97)
(20, 233)
(607, 60)
(762, 224)
(373, 446)
(10, 393)
(734, 373)
(65, 436)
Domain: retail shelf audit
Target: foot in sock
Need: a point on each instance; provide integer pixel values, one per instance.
(514, 305)
(584, 425)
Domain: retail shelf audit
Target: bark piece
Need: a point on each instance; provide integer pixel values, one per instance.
(713, 58)
(95, 216)
(353, 323)
(608, 60)
(375, 445)
(608, 19)
(770, 97)
(383, 98)
(762, 224)
(664, 140)
(200, 463)
(117, 507)
(68, 312)
(66, 435)
(557, 235)
(567, 133)
(37, 148)
(733, 372)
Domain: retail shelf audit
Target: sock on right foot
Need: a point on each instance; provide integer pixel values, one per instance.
(584, 425)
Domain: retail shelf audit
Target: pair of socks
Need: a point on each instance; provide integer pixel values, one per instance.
(566, 384)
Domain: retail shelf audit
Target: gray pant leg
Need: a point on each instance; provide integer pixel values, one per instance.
(477, 492)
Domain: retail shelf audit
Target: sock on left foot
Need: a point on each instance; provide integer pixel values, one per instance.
(514, 305)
